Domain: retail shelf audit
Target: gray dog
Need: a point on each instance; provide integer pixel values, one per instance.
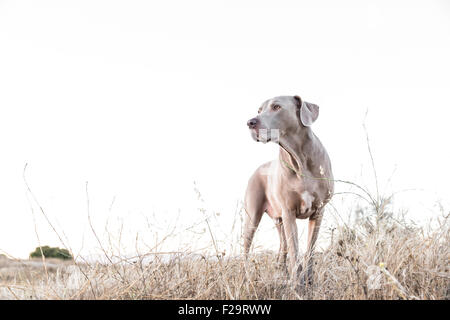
(295, 186)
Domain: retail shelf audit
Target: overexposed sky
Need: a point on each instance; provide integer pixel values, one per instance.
(143, 98)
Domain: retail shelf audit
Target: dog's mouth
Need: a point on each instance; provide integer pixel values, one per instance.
(260, 135)
(264, 140)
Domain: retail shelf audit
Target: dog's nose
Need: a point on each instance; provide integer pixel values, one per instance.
(252, 123)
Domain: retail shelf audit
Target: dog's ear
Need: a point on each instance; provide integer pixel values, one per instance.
(307, 112)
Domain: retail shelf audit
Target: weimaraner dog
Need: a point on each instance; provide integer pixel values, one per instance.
(295, 186)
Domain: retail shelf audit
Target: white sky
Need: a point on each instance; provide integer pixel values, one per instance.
(142, 98)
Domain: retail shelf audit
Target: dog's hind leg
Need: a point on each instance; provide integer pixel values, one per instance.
(253, 216)
(255, 203)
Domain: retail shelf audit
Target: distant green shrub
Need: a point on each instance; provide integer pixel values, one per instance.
(51, 252)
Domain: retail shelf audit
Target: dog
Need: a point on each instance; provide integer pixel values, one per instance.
(297, 185)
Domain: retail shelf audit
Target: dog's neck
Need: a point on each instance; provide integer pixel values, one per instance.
(294, 153)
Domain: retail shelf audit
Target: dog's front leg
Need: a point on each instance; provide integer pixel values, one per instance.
(313, 232)
(290, 229)
(282, 253)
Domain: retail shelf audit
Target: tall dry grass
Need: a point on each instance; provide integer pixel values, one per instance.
(378, 255)
(375, 254)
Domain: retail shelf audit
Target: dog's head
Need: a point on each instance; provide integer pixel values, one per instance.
(282, 116)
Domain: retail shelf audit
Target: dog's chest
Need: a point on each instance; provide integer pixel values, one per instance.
(300, 203)
(289, 192)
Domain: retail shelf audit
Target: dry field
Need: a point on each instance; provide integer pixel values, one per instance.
(378, 256)
(377, 253)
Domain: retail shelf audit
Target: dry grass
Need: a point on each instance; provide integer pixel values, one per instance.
(377, 254)
(375, 257)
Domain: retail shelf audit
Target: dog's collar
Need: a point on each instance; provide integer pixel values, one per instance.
(289, 166)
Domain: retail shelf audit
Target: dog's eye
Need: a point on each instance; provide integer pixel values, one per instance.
(259, 110)
(276, 107)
